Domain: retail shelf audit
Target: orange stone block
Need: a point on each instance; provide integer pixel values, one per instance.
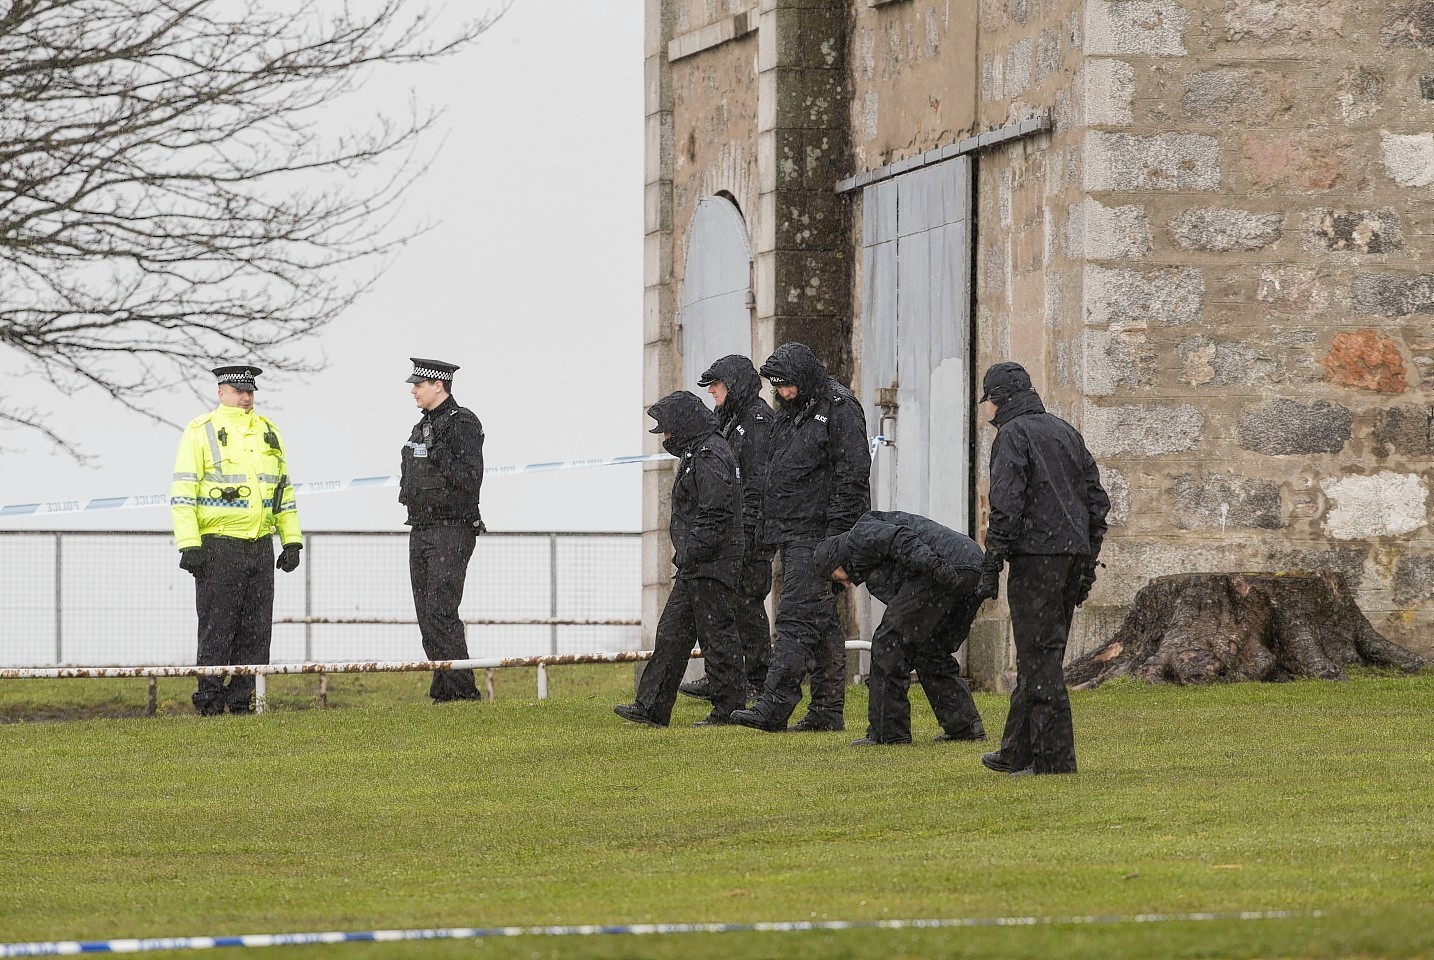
(1365, 360)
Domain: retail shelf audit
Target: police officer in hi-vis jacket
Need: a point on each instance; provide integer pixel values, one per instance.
(230, 493)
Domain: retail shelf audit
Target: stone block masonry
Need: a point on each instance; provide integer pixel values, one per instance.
(1254, 234)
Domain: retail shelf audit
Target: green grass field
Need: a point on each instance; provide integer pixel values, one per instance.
(389, 812)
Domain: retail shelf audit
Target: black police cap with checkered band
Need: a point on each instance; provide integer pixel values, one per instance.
(431, 370)
(240, 376)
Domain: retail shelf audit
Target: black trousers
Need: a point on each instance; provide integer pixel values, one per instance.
(808, 640)
(1042, 594)
(753, 627)
(923, 627)
(234, 597)
(437, 568)
(699, 612)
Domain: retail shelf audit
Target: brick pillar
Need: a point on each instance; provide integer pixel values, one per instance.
(658, 306)
(803, 259)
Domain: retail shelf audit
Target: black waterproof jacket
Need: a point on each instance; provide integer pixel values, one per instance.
(706, 523)
(745, 421)
(442, 467)
(886, 549)
(819, 477)
(1046, 497)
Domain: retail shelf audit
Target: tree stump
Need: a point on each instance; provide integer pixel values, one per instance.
(1225, 627)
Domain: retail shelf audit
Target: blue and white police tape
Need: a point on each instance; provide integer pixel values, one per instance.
(51, 507)
(46, 508)
(66, 947)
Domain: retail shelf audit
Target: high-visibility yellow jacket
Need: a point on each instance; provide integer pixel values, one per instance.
(229, 462)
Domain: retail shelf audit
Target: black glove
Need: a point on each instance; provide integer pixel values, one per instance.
(1087, 580)
(989, 586)
(191, 560)
(948, 576)
(289, 559)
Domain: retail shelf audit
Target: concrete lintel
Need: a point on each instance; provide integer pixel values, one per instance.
(712, 35)
(991, 138)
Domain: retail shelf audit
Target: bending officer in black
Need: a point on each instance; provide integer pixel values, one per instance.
(926, 574)
(442, 478)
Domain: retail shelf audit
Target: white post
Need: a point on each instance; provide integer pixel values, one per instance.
(261, 692)
(542, 681)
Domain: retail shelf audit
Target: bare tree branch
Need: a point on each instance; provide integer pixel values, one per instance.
(169, 194)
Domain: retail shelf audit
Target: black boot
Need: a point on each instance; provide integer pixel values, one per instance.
(699, 689)
(975, 732)
(631, 711)
(818, 723)
(757, 720)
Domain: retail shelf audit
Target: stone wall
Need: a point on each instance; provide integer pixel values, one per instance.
(804, 259)
(1030, 245)
(659, 301)
(1257, 220)
(911, 65)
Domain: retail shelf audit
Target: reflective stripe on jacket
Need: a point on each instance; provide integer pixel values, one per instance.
(242, 451)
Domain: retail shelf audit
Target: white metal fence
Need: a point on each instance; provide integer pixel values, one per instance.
(119, 598)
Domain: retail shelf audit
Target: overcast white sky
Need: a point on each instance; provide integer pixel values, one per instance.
(531, 282)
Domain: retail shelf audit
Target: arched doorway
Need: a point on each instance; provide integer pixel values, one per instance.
(716, 317)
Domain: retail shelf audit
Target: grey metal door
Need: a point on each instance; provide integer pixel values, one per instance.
(716, 315)
(916, 340)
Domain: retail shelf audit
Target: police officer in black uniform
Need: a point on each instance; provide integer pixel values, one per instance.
(1047, 520)
(818, 485)
(926, 574)
(707, 542)
(442, 477)
(744, 419)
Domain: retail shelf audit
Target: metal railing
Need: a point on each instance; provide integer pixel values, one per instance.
(260, 672)
(114, 598)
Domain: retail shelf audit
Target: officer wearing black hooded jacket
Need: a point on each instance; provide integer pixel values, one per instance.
(707, 542)
(745, 421)
(818, 485)
(1047, 520)
(926, 574)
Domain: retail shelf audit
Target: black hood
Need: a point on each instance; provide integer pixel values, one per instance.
(795, 363)
(739, 377)
(1004, 380)
(682, 414)
(1008, 386)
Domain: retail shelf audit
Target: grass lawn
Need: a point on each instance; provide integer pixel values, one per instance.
(391, 812)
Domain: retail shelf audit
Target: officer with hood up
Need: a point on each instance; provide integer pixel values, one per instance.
(706, 532)
(818, 485)
(1047, 520)
(745, 421)
(926, 574)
